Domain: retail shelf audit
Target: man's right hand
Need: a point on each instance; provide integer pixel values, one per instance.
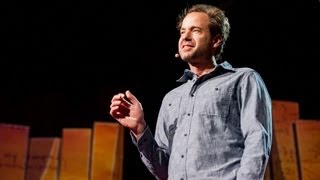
(128, 112)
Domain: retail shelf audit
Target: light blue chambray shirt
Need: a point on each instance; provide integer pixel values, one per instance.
(216, 127)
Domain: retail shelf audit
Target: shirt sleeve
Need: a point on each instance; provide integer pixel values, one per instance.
(256, 126)
(153, 156)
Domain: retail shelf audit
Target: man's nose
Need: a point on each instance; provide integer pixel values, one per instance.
(186, 35)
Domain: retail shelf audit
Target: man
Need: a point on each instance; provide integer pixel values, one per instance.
(217, 124)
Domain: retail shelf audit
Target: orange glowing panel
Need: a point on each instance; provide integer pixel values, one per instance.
(75, 154)
(107, 151)
(14, 141)
(118, 166)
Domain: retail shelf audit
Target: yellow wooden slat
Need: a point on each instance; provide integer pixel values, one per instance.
(308, 138)
(267, 174)
(75, 154)
(106, 141)
(118, 167)
(283, 154)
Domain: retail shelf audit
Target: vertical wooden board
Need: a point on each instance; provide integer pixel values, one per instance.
(105, 138)
(308, 138)
(43, 158)
(75, 154)
(267, 174)
(14, 140)
(283, 154)
(118, 167)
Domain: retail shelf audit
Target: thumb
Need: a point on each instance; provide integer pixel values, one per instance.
(131, 97)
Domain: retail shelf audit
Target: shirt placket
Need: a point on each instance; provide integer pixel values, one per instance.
(186, 134)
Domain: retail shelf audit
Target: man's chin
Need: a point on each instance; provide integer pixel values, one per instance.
(186, 58)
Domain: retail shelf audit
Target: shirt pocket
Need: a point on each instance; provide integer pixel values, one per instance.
(216, 102)
(173, 107)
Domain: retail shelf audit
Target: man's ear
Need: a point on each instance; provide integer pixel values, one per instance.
(216, 41)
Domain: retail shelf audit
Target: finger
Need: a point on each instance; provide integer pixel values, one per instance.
(113, 110)
(117, 97)
(116, 112)
(119, 116)
(126, 102)
(120, 100)
(115, 103)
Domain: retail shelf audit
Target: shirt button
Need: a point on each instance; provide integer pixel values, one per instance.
(182, 156)
(192, 95)
(181, 178)
(185, 134)
(188, 114)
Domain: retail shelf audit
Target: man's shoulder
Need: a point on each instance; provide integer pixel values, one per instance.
(226, 65)
(245, 70)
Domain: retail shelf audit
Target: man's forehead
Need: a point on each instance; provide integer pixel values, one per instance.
(197, 19)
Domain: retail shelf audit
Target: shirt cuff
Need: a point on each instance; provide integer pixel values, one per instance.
(143, 138)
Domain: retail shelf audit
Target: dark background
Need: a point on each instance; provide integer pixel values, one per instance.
(62, 61)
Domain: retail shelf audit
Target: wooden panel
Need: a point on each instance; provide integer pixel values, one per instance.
(106, 157)
(267, 174)
(283, 154)
(14, 141)
(75, 154)
(43, 158)
(118, 167)
(308, 138)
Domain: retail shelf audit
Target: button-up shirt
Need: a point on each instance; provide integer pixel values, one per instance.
(217, 126)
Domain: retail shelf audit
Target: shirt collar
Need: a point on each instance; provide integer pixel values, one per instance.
(187, 74)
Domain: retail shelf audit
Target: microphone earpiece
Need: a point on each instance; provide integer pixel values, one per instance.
(176, 55)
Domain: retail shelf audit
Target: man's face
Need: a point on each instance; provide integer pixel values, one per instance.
(195, 40)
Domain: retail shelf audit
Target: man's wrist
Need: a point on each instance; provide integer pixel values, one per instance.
(140, 131)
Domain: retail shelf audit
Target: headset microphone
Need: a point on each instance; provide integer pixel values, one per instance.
(176, 55)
